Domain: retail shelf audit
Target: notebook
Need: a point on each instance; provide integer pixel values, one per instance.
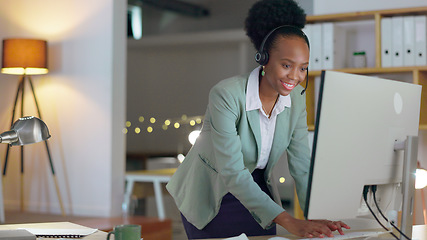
(61, 233)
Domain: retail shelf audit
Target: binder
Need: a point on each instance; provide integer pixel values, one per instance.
(316, 46)
(397, 41)
(333, 46)
(408, 41)
(308, 32)
(420, 40)
(386, 37)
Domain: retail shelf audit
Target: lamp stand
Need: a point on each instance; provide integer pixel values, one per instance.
(21, 88)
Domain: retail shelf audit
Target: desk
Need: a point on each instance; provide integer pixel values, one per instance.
(154, 176)
(419, 232)
(99, 235)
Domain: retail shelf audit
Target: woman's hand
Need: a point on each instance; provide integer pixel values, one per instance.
(309, 228)
(333, 225)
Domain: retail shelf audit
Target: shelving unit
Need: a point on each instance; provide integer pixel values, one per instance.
(419, 73)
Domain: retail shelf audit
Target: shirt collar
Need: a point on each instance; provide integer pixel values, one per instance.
(253, 101)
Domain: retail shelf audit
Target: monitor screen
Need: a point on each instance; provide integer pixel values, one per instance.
(359, 119)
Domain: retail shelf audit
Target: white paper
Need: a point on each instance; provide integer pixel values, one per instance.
(240, 237)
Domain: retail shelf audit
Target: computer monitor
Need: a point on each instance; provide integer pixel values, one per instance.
(359, 120)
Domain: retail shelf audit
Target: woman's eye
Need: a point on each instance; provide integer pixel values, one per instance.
(304, 69)
(286, 66)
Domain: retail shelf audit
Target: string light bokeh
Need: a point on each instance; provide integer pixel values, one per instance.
(153, 125)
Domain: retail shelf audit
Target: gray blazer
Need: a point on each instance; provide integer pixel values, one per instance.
(226, 152)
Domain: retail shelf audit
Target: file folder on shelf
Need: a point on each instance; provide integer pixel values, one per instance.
(316, 46)
(420, 40)
(397, 41)
(333, 46)
(307, 31)
(408, 41)
(386, 38)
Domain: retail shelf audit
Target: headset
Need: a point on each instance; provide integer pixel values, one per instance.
(261, 56)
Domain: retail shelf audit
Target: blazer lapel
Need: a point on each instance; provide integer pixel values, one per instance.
(279, 140)
(253, 119)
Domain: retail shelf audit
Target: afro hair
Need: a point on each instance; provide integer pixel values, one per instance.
(265, 15)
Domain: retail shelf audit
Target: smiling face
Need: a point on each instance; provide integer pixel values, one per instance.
(286, 67)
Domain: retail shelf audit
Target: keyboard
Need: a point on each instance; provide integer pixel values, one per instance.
(337, 236)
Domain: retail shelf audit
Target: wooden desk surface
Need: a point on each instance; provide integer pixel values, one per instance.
(98, 235)
(419, 232)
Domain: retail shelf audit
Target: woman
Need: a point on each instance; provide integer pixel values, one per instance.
(224, 187)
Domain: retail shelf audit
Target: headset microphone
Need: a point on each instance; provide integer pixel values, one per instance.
(306, 84)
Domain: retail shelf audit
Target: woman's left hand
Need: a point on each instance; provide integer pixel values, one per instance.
(333, 225)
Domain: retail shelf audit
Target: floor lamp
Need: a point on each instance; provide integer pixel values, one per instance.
(26, 57)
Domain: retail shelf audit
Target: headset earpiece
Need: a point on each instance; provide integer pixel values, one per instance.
(261, 58)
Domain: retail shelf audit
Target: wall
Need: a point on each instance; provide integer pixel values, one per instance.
(82, 100)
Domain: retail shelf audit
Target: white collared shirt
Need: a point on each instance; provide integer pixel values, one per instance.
(267, 125)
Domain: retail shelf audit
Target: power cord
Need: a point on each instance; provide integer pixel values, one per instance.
(374, 190)
(365, 197)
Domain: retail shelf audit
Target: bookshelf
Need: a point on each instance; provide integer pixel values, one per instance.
(418, 73)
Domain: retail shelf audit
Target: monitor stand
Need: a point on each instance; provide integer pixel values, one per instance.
(410, 148)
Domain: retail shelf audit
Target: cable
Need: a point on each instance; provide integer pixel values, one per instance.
(365, 197)
(374, 190)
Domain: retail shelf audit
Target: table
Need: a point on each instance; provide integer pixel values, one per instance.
(99, 235)
(419, 232)
(157, 177)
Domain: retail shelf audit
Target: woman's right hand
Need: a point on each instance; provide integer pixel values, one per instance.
(306, 228)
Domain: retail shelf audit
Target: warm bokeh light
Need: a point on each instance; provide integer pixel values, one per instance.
(180, 157)
(420, 178)
(152, 120)
(198, 120)
(192, 137)
(165, 127)
(192, 122)
(176, 125)
(150, 129)
(167, 122)
(141, 119)
(124, 131)
(282, 179)
(137, 130)
(128, 124)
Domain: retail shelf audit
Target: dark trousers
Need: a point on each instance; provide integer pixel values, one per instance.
(232, 219)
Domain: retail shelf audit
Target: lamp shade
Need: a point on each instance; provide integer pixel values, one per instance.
(24, 56)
